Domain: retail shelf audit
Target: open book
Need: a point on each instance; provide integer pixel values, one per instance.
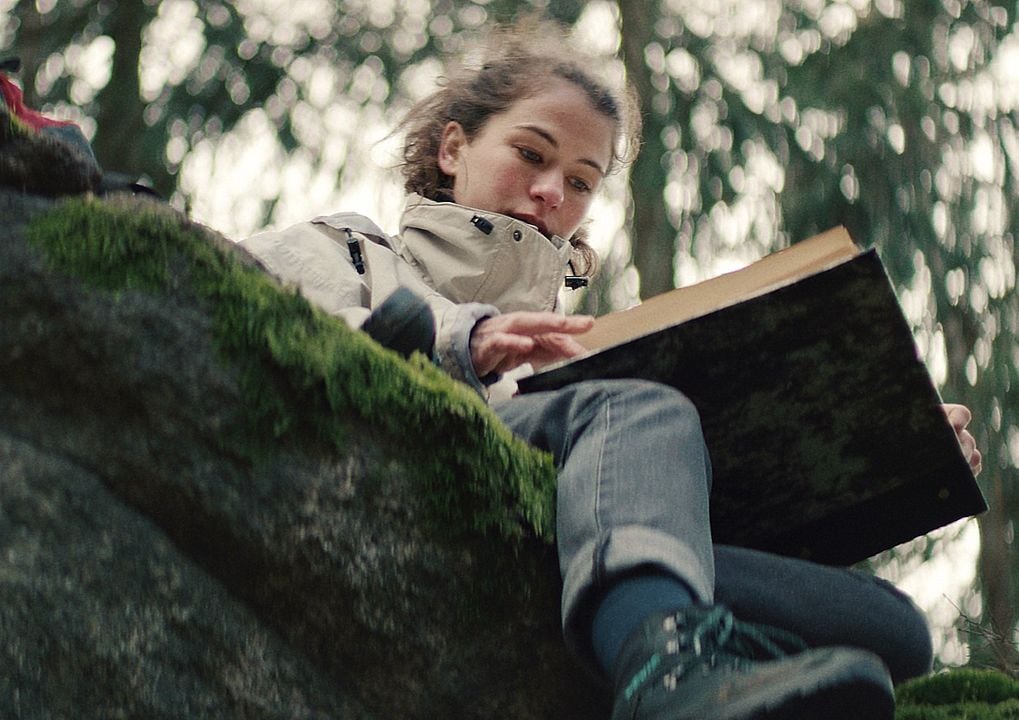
(823, 425)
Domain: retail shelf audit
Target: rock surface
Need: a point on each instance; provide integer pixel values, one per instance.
(174, 544)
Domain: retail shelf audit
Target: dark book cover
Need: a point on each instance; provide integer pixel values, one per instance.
(825, 431)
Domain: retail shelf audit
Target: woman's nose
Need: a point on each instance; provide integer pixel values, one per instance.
(548, 187)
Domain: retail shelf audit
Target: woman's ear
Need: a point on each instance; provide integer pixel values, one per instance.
(450, 147)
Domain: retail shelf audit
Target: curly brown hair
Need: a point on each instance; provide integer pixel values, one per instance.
(517, 62)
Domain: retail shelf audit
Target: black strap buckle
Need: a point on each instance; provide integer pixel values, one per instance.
(355, 252)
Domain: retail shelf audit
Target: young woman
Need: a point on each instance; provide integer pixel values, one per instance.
(501, 165)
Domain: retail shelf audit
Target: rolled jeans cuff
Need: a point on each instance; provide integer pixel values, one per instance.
(624, 549)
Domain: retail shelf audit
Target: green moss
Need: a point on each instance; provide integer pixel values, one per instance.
(964, 694)
(960, 711)
(306, 375)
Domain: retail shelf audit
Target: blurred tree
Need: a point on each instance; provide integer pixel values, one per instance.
(184, 71)
(891, 118)
(765, 121)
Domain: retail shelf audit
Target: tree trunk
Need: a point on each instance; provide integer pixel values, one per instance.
(995, 575)
(653, 237)
(121, 107)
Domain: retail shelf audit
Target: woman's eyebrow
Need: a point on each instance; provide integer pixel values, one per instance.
(550, 139)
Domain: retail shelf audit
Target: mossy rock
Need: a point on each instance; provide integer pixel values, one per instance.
(306, 375)
(316, 524)
(962, 694)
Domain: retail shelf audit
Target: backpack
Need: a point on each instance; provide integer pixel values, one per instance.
(43, 156)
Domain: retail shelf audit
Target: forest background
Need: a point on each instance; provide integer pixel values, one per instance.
(765, 122)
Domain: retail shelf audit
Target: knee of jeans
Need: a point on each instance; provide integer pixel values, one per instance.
(648, 408)
(668, 400)
(648, 392)
(913, 653)
(902, 634)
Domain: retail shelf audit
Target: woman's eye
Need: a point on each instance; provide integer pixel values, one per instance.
(529, 155)
(580, 185)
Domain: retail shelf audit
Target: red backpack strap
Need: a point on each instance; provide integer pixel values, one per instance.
(15, 101)
(68, 136)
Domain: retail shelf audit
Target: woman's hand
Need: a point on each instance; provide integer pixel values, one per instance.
(503, 342)
(959, 417)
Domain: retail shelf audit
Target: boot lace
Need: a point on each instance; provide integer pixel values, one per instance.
(717, 638)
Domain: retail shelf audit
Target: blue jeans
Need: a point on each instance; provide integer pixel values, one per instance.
(634, 481)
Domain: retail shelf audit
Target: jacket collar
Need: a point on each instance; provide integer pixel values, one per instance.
(470, 255)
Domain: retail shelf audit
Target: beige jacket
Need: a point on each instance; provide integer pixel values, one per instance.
(467, 264)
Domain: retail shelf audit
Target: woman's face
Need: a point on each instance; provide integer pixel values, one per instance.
(540, 161)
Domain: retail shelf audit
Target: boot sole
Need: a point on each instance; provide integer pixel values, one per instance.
(834, 683)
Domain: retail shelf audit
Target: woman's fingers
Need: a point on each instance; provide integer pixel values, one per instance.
(503, 342)
(959, 417)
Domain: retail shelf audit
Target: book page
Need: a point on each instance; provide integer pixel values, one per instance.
(779, 268)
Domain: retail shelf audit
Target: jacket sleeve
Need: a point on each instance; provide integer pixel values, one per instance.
(316, 259)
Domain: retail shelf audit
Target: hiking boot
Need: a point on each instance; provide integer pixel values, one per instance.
(703, 664)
